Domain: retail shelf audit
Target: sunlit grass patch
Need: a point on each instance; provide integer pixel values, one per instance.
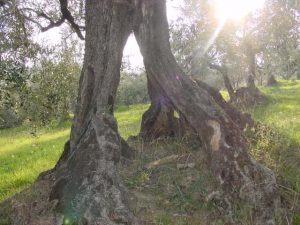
(276, 140)
(283, 110)
(28, 150)
(224, 94)
(25, 152)
(129, 119)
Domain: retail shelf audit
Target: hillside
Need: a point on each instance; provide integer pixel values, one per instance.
(169, 180)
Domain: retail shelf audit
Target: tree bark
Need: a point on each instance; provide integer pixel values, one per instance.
(158, 121)
(240, 176)
(242, 120)
(86, 182)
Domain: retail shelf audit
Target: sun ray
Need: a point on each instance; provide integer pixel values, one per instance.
(214, 36)
(236, 9)
(231, 9)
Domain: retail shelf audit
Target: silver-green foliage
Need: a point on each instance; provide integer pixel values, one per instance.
(132, 89)
(52, 88)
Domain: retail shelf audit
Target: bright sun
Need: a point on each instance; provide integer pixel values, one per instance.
(236, 9)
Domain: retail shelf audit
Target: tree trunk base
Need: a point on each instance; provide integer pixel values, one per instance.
(248, 97)
(157, 122)
(187, 170)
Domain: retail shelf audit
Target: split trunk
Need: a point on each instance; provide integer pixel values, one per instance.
(85, 180)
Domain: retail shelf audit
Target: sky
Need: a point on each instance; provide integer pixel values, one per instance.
(226, 10)
(131, 51)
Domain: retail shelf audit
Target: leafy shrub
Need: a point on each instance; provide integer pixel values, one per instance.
(8, 118)
(132, 89)
(52, 89)
(12, 81)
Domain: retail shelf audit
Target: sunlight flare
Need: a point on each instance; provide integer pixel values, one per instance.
(214, 36)
(231, 10)
(236, 9)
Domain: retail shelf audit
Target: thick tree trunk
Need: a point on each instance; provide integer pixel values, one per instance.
(242, 120)
(158, 121)
(240, 176)
(250, 56)
(86, 182)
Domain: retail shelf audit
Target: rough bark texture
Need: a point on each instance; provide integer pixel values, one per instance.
(242, 120)
(86, 182)
(158, 121)
(239, 175)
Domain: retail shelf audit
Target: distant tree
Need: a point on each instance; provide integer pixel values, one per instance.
(52, 87)
(279, 31)
(16, 49)
(12, 82)
(132, 89)
(269, 35)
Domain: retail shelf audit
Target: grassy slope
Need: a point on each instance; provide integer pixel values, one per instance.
(23, 156)
(276, 142)
(25, 151)
(283, 112)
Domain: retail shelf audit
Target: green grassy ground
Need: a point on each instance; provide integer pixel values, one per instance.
(129, 119)
(25, 152)
(283, 110)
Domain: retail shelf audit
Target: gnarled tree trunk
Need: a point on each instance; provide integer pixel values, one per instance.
(158, 121)
(250, 95)
(240, 176)
(86, 182)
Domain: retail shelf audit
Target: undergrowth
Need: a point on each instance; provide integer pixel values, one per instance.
(280, 153)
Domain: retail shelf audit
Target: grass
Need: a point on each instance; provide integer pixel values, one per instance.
(26, 151)
(275, 141)
(283, 110)
(129, 118)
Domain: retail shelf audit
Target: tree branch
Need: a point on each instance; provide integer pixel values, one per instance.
(66, 16)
